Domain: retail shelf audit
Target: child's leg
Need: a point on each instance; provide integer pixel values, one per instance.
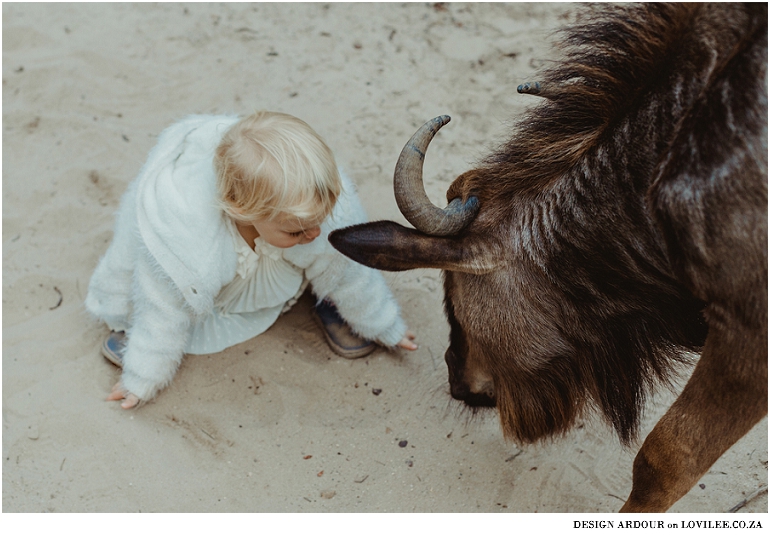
(109, 294)
(109, 291)
(339, 335)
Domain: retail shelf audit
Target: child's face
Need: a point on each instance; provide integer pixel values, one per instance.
(286, 233)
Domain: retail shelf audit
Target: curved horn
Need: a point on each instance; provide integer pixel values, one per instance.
(410, 192)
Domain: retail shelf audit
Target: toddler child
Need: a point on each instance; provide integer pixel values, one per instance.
(220, 233)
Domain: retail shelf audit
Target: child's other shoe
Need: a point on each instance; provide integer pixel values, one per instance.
(114, 346)
(338, 334)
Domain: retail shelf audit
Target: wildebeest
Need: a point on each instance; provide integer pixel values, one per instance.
(624, 223)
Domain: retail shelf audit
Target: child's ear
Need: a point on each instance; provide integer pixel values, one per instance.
(235, 211)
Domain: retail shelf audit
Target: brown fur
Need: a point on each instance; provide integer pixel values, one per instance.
(625, 222)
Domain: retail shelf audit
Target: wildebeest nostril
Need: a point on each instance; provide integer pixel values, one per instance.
(460, 391)
(479, 400)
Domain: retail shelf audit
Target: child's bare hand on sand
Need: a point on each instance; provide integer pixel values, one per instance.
(406, 342)
(118, 392)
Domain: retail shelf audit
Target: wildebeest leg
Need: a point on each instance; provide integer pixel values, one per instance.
(719, 405)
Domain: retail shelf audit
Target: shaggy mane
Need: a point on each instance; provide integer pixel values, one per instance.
(608, 62)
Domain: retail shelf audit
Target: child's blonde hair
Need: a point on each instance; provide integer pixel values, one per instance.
(271, 164)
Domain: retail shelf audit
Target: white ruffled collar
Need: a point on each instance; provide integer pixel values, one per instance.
(264, 278)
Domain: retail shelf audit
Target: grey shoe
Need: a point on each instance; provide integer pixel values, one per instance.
(114, 346)
(338, 334)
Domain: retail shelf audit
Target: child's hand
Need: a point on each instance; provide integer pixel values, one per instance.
(406, 342)
(118, 393)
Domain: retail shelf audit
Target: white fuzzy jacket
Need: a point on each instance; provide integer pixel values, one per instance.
(171, 254)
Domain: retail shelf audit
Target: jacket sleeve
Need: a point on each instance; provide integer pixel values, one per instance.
(128, 291)
(158, 336)
(360, 293)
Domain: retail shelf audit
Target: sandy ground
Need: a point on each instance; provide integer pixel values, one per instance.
(278, 423)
